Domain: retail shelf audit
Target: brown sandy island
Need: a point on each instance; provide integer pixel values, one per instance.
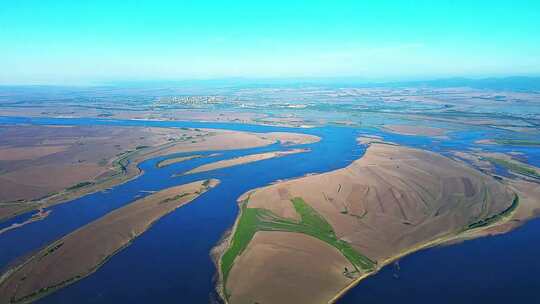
(485, 142)
(415, 130)
(372, 139)
(391, 202)
(83, 251)
(243, 160)
(86, 159)
(287, 138)
(175, 160)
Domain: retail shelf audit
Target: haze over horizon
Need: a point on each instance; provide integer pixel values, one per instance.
(276, 152)
(66, 42)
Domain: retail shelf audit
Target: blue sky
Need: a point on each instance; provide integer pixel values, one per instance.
(91, 41)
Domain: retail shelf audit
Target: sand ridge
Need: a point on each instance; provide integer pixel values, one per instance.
(174, 160)
(243, 160)
(84, 250)
(415, 130)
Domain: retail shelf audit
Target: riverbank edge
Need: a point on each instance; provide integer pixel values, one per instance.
(122, 176)
(223, 244)
(221, 247)
(34, 297)
(243, 160)
(127, 167)
(449, 239)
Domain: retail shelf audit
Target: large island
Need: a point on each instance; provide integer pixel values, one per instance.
(310, 239)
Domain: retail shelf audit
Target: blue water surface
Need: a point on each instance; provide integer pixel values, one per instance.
(171, 263)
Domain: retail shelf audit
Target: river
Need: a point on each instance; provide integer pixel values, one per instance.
(170, 262)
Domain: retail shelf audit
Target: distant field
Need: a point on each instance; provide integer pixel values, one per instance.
(515, 166)
(518, 142)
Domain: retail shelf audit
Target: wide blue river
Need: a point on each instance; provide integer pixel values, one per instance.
(171, 263)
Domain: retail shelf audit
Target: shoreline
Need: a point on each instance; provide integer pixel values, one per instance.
(40, 215)
(96, 186)
(447, 240)
(127, 168)
(174, 160)
(251, 121)
(463, 234)
(220, 248)
(242, 160)
(150, 207)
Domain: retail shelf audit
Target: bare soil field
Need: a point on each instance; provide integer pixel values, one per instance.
(318, 265)
(39, 161)
(175, 160)
(83, 251)
(243, 160)
(85, 159)
(415, 130)
(392, 201)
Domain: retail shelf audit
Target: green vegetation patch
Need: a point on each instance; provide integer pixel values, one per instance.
(80, 185)
(174, 198)
(122, 162)
(311, 223)
(492, 219)
(53, 248)
(517, 142)
(245, 230)
(515, 166)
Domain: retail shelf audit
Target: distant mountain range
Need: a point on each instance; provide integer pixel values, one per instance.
(514, 83)
(519, 83)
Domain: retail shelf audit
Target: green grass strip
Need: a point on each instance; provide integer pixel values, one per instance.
(80, 185)
(517, 142)
(492, 219)
(311, 223)
(245, 230)
(515, 166)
